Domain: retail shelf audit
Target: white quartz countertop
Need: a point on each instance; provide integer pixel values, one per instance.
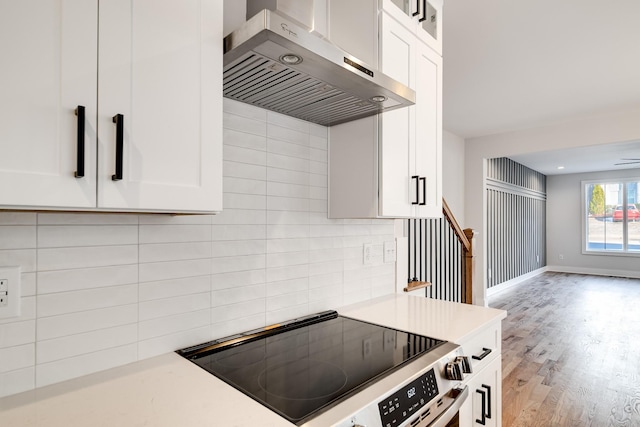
(169, 390)
(425, 316)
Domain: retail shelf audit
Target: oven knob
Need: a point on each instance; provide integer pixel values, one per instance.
(453, 371)
(466, 365)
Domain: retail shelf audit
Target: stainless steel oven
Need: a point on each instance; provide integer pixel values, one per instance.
(330, 370)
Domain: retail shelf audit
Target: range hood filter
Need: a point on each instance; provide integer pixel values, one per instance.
(273, 63)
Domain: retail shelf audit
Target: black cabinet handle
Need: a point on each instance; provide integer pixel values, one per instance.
(424, 191)
(118, 119)
(424, 11)
(417, 12)
(417, 178)
(80, 150)
(485, 353)
(488, 412)
(482, 421)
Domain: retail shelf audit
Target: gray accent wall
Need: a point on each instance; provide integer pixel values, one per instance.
(516, 220)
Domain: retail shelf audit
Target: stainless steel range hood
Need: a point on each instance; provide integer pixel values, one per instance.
(327, 87)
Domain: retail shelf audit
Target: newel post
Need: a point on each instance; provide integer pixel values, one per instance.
(468, 267)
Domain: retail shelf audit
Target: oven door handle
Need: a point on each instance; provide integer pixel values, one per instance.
(444, 418)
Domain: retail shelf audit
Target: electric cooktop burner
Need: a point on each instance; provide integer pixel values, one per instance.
(304, 366)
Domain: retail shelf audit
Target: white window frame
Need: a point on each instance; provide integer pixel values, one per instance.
(625, 224)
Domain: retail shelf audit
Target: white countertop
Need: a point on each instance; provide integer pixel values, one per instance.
(169, 390)
(425, 316)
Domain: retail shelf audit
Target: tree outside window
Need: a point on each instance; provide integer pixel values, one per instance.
(612, 217)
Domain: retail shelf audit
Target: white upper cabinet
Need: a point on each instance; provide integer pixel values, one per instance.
(390, 165)
(49, 68)
(422, 17)
(149, 74)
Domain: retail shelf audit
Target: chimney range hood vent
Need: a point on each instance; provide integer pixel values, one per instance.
(274, 63)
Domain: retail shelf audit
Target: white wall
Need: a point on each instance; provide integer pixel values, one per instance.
(102, 290)
(591, 131)
(453, 174)
(564, 228)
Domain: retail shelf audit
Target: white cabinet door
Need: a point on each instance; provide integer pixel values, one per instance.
(48, 69)
(485, 393)
(160, 68)
(397, 130)
(421, 17)
(428, 145)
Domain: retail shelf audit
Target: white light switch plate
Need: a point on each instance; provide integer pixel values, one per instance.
(10, 292)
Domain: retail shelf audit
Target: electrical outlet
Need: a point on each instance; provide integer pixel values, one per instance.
(389, 252)
(368, 254)
(9, 292)
(561, 256)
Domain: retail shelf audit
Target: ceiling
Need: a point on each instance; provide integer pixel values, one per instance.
(519, 64)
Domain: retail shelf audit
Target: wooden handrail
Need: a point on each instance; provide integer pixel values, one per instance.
(466, 237)
(456, 227)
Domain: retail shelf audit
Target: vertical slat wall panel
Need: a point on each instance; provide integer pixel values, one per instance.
(435, 254)
(516, 220)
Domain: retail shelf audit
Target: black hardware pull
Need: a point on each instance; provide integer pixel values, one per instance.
(485, 353)
(488, 413)
(118, 119)
(424, 191)
(483, 421)
(417, 178)
(424, 11)
(417, 12)
(79, 173)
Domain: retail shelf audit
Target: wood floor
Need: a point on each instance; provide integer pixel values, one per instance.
(571, 351)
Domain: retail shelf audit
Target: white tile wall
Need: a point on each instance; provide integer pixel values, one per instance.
(104, 290)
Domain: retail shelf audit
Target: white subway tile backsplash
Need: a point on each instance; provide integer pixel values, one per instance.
(174, 233)
(169, 306)
(64, 369)
(154, 271)
(103, 290)
(86, 278)
(170, 325)
(83, 300)
(237, 279)
(162, 289)
(17, 381)
(166, 343)
(89, 342)
(85, 321)
(17, 218)
(243, 139)
(17, 357)
(86, 257)
(86, 219)
(25, 258)
(175, 251)
(237, 263)
(17, 333)
(17, 236)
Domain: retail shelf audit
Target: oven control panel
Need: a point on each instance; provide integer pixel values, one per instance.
(402, 404)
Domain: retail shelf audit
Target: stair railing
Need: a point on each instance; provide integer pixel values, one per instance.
(440, 257)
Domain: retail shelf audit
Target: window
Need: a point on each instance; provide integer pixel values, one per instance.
(612, 216)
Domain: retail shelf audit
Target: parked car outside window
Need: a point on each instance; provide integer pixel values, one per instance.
(632, 213)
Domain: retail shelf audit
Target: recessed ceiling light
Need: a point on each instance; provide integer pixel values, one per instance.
(560, 167)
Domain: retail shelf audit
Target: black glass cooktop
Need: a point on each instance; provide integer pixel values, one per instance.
(299, 368)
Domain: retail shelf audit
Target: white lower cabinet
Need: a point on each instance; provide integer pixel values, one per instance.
(484, 404)
(111, 108)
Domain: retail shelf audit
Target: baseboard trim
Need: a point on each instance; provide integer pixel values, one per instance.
(516, 281)
(594, 271)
